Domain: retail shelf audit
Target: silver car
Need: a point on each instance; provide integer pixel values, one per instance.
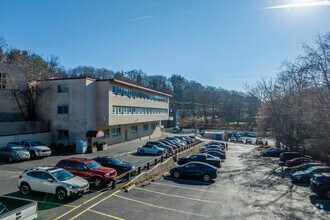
(52, 180)
(14, 153)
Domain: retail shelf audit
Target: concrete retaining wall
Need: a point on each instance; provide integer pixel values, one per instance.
(161, 168)
(44, 138)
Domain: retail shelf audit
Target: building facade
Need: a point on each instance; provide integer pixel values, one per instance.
(123, 111)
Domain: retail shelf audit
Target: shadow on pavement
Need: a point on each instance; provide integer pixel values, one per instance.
(191, 181)
(321, 204)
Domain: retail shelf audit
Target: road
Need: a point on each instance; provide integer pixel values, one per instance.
(248, 187)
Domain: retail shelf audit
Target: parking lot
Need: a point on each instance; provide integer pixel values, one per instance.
(248, 187)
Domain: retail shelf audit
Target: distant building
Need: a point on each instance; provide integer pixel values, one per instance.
(123, 111)
(173, 120)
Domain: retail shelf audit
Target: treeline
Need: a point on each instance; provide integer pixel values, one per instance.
(213, 106)
(296, 104)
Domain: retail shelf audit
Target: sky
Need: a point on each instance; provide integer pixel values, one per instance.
(221, 43)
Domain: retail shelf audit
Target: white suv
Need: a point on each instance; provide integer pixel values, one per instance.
(52, 180)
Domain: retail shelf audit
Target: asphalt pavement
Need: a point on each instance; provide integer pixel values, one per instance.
(248, 187)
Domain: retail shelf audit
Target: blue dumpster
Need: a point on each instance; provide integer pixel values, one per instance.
(218, 137)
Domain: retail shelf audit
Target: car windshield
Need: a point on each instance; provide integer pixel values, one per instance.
(310, 170)
(62, 175)
(18, 148)
(35, 143)
(93, 165)
(116, 161)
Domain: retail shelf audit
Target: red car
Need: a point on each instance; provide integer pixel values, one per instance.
(88, 169)
(297, 161)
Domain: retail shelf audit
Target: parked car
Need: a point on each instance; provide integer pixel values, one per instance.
(36, 148)
(217, 143)
(176, 130)
(306, 175)
(14, 143)
(272, 152)
(205, 149)
(320, 184)
(289, 156)
(169, 144)
(88, 169)
(150, 149)
(240, 140)
(14, 153)
(177, 142)
(232, 139)
(297, 161)
(115, 163)
(15, 208)
(259, 141)
(248, 141)
(201, 158)
(52, 180)
(200, 170)
(159, 144)
(305, 166)
(217, 154)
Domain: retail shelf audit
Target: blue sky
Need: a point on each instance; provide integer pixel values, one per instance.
(222, 43)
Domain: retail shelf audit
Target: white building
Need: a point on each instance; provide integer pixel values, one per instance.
(122, 110)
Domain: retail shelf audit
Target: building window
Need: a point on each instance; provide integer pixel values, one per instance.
(116, 132)
(138, 94)
(153, 126)
(63, 134)
(62, 109)
(134, 129)
(106, 133)
(62, 89)
(146, 127)
(3, 81)
(119, 110)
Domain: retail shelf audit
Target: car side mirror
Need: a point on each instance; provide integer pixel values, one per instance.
(50, 180)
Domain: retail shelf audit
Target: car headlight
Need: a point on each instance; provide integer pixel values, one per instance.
(107, 174)
(72, 187)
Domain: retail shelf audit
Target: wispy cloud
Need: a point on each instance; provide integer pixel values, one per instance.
(140, 18)
(300, 5)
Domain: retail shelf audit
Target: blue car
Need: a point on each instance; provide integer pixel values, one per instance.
(217, 154)
(272, 152)
(199, 170)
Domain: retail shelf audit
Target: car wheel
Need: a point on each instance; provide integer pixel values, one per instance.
(25, 189)
(206, 177)
(33, 155)
(98, 182)
(142, 152)
(61, 194)
(176, 174)
(11, 159)
(305, 180)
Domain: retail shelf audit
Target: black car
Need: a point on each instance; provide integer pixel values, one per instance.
(201, 158)
(217, 154)
(289, 156)
(305, 166)
(199, 170)
(115, 163)
(320, 184)
(306, 175)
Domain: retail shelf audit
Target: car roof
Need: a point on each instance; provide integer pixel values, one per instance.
(325, 174)
(197, 162)
(78, 159)
(44, 168)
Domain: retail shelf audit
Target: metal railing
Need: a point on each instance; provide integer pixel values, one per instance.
(125, 177)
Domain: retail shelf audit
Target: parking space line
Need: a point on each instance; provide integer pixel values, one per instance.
(161, 207)
(68, 212)
(185, 187)
(95, 204)
(180, 197)
(110, 216)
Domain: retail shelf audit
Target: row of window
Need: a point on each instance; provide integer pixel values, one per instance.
(3, 81)
(134, 129)
(137, 94)
(123, 110)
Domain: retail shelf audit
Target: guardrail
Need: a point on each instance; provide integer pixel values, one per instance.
(125, 177)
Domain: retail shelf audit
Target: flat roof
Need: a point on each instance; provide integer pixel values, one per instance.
(116, 81)
(131, 85)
